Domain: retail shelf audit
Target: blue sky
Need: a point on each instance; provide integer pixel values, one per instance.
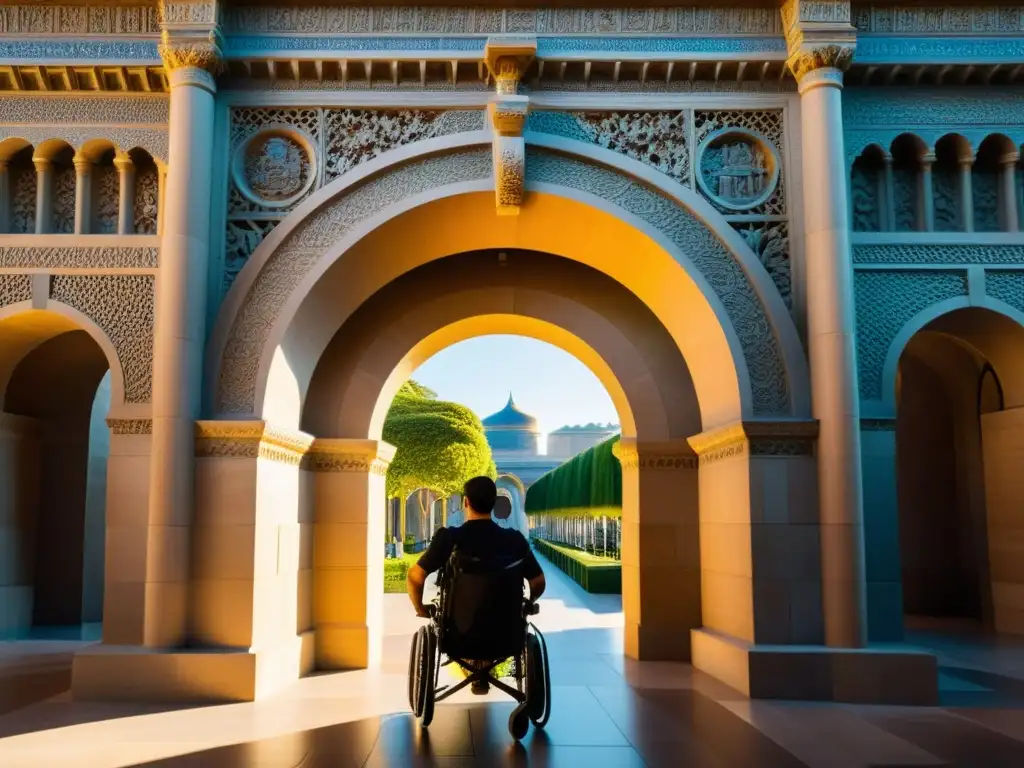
(546, 382)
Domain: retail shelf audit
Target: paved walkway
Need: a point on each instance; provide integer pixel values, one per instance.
(607, 712)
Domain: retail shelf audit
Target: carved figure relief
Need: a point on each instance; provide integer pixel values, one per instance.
(63, 200)
(767, 126)
(737, 169)
(23, 199)
(106, 191)
(275, 167)
(147, 199)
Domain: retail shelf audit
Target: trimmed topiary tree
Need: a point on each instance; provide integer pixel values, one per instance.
(439, 446)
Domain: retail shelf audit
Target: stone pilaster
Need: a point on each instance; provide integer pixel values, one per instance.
(347, 482)
(821, 41)
(661, 577)
(507, 59)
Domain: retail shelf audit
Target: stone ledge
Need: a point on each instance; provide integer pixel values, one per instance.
(879, 675)
(136, 673)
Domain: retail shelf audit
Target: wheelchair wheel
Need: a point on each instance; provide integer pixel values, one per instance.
(538, 680)
(519, 722)
(423, 677)
(414, 655)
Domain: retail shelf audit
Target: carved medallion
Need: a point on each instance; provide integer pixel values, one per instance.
(275, 168)
(738, 169)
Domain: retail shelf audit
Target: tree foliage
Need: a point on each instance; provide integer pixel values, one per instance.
(439, 445)
(589, 483)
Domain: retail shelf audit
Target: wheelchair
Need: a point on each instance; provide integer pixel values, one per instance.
(479, 620)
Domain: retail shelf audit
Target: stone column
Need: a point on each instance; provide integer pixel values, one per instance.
(5, 198)
(1008, 198)
(126, 195)
(926, 195)
(179, 328)
(83, 194)
(44, 195)
(347, 480)
(661, 560)
(831, 339)
(889, 197)
(507, 60)
(161, 197)
(966, 193)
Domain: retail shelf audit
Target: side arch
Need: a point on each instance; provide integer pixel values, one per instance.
(28, 326)
(713, 272)
(936, 312)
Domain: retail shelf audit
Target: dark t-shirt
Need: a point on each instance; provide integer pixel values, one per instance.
(481, 538)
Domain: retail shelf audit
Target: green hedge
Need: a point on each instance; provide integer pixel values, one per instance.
(597, 575)
(590, 483)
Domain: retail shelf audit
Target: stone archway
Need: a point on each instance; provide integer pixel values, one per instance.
(645, 274)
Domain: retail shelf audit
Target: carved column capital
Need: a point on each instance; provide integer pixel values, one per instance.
(507, 58)
(819, 39)
(83, 165)
(786, 438)
(123, 162)
(201, 52)
(191, 46)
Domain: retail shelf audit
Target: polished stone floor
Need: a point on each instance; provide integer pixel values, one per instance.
(608, 712)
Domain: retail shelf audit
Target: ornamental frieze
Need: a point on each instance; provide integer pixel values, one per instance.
(97, 19)
(78, 257)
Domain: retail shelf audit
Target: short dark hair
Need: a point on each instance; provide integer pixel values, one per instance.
(481, 493)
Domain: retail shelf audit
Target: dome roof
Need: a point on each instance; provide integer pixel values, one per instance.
(510, 417)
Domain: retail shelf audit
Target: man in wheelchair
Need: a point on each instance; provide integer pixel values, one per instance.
(480, 617)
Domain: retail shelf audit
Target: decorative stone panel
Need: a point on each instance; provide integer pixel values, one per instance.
(326, 143)
(123, 307)
(769, 240)
(938, 19)
(98, 19)
(1006, 286)
(966, 253)
(77, 257)
(15, 289)
(886, 302)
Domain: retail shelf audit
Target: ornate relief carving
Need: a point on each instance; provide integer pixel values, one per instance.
(242, 239)
(23, 199)
(509, 175)
(275, 168)
(192, 50)
(250, 440)
(106, 199)
(147, 200)
(767, 126)
(123, 307)
(826, 57)
(946, 189)
(74, 257)
(130, 426)
(149, 109)
(248, 121)
(938, 254)
(770, 241)
(64, 181)
(985, 188)
(887, 301)
(904, 191)
(936, 107)
(304, 247)
(78, 20)
(658, 457)
(657, 139)
(1007, 287)
(43, 49)
(737, 169)
(187, 11)
(761, 350)
(864, 202)
(14, 289)
(482, 21)
(989, 19)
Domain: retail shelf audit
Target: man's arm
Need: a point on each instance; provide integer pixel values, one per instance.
(414, 582)
(537, 586)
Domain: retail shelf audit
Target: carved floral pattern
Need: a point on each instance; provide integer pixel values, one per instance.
(243, 237)
(106, 199)
(15, 289)
(147, 200)
(887, 301)
(63, 200)
(946, 191)
(904, 182)
(864, 202)
(357, 135)
(770, 241)
(23, 199)
(123, 307)
(985, 186)
(658, 139)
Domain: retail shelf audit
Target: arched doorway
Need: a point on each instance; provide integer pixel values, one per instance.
(959, 390)
(644, 283)
(56, 390)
